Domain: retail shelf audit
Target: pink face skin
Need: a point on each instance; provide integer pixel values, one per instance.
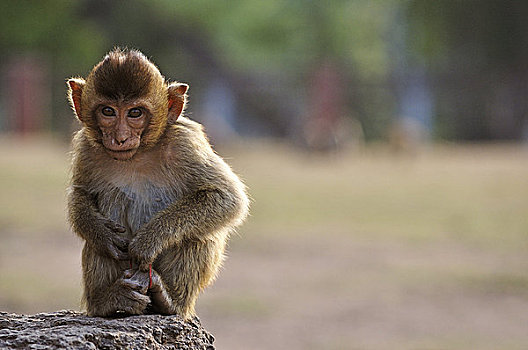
(121, 127)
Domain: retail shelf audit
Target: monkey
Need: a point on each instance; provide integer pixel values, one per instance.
(153, 202)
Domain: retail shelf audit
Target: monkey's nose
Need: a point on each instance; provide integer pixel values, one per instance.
(119, 141)
(121, 138)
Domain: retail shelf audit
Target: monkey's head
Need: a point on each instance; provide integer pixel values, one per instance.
(125, 103)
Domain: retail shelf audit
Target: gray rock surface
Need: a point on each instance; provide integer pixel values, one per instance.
(74, 330)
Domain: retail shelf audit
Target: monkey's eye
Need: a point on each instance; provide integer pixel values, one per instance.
(135, 113)
(108, 111)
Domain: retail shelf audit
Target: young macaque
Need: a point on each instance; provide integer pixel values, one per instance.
(152, 200)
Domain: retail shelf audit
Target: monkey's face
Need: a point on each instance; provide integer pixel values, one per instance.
(122, 126)
(125, 104)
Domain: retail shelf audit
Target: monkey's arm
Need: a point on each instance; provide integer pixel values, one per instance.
(86, 221)
(214, 197)
(197, 215)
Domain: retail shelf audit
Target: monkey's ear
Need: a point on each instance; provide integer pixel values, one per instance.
(75, 89)
(177, 99)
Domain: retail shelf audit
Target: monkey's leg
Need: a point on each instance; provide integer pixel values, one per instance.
(107, 290)
(186, 269)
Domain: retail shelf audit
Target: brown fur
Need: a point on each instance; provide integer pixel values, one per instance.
(173, 204)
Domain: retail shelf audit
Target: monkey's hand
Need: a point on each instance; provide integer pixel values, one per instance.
(145, 247)
(112, 244)
(103, 234)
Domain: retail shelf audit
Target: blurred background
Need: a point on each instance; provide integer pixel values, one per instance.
(384, 143)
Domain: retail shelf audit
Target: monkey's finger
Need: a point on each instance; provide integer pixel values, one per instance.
(130, 286)
(114, 226)
(121, 252)
(120, 228)
(134, 285)
(116, 254)
(121, 243)
(135, 296)
(109, 224)
(113, 252)
(122, 255)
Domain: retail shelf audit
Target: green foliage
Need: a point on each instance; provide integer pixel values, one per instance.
(30, 24)
(47, 27)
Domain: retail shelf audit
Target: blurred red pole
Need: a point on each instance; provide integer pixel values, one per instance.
(26, 95)
(325, 107)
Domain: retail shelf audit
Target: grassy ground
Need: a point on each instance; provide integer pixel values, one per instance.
(363, 250)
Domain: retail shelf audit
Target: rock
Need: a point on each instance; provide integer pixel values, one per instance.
(74, 330)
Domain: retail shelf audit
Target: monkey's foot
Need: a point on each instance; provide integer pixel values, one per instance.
(161, 301)
(126, 296)
(132, 299)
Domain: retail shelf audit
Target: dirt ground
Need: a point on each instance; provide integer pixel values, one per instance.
(359, 250)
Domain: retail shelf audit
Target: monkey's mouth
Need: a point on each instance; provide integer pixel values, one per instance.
(124, 154)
